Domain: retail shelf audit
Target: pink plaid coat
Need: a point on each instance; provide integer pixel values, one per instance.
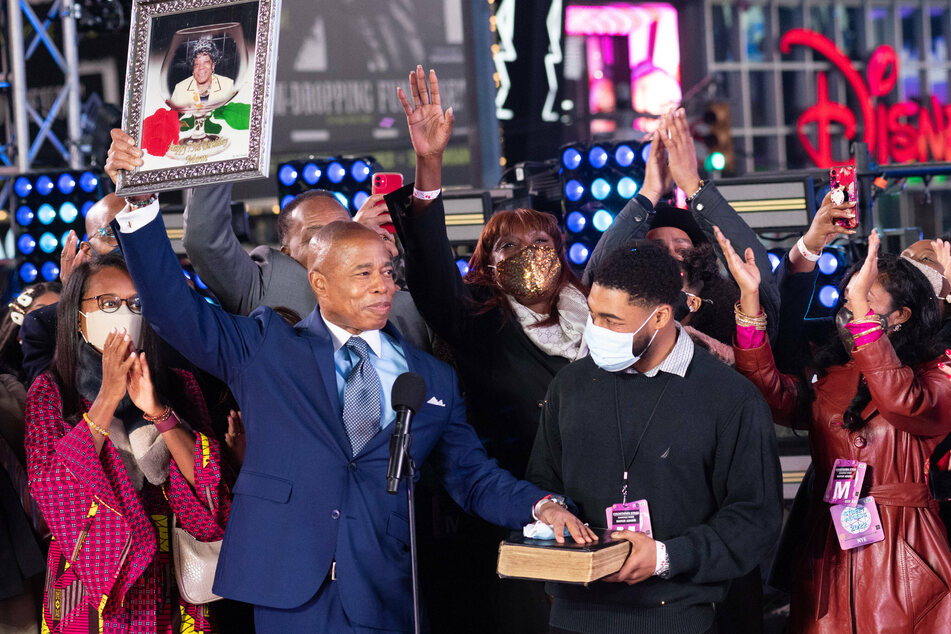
(109, 568)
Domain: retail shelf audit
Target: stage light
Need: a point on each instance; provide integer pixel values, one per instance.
(286, 200)
(342, 198)
(571, 159)
(23, 186)
(88, 182)
(828, 263)
(63, 238)
(602, 220)
(50, 271)
(463, 266)
(24, 216)
(86, 207)
(360, 171)
(597, 157)
(715, 162)
(336, 172)
(576, 222)
(600, 189)
(828, 296)
(627, 188)
(358, 199)
(48, 242)
(199, 283)
(26, 244)
(774, 260)
(311, 174)
(44, 185)
(287, 174)
(28, 273)
(574, 190)
(68, 212)
(646, 153)
(46, 214)
(578, 253)
(624, 155)
(66, 183)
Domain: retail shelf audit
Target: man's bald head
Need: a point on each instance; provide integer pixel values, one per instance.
(98, 217)
(334, 238)
(301, 218)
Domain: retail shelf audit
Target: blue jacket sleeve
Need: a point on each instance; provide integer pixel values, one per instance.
(212, 339)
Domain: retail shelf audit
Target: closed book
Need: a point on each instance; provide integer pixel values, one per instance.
(547, 560)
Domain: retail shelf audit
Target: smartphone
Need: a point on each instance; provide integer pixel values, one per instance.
(384, 183)
(844, 190)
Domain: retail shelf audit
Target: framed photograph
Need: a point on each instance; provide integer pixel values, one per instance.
(199, 91)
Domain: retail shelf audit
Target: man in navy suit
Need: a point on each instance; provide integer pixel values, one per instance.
(313, 540)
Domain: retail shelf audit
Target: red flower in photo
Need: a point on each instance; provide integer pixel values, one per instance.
(159, 131)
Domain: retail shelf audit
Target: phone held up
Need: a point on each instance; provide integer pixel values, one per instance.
(844, 190)
(384, 183)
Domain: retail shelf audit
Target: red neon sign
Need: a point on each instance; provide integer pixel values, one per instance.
(888, 130)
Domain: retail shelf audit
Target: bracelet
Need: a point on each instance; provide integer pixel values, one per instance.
(431, 194)
(94, 425)
(139, 204)
(864, 343)
(171, 423)
(696, 193)
(161, 418)
(806, 253)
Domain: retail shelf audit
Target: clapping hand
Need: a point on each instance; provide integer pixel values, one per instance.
(429, 127)
(744, 271)
(117, 360)
(71, 257)
(140, 387)
(657, 178)
(681, 152)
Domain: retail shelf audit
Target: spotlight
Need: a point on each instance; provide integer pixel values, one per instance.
(463, 266)
(50, 271)
(48, 242)
(715, 162)
(342, 198)
(88, 182)
(68, 212)
(24, 216)
(576, 222)
(358, 199)
(22, 186)
(28, 273)
(571, 159)
(578, 253)
(360, 171)
(345, 176)
(646, 153)
(602, 220)
(26, 244)
(44, 185)
(828, 263)
(336, 172)
(287, 199)
(627, 188)
(624, 155)
(86, 207)
(311, 174)
(287, 174)
(600, 189)
(828, 296)
(574, 190)
(46, 214)
(597, 157)
(66, 183)
(774, 260)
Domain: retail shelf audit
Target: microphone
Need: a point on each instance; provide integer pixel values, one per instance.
(407, 395)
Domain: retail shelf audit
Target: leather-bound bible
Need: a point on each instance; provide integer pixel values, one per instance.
(547, 560)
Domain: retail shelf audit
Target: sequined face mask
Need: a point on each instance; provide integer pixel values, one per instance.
(529, 274)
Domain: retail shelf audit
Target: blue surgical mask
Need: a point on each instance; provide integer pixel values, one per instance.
(614, 351)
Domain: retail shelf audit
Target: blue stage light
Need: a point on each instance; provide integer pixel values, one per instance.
(287, 199)
(287, 175)
(68, 212)
(48, 242)
(63, 238)
(602, 220)
(88, 182)
(25, 216)
(86, 207)
(574, 190)
(828, 296)
(311, 173)
(23, 186)
(600, 189)
(627, 187)
(199, 283)
(26, 244)
(828, 263)
(359, 198)
(46, 214)
(343, 199)
(774, 260)
(50, 271)
(28, 273)
(576, 222)
(578, 253)
(360, 171)
(571, 159)
(44, 185)
(597, 157)
(646, 152)
(463, 266)
(336, 172)
(66, 183)
(624, 155)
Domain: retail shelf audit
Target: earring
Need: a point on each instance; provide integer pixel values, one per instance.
(897, 327)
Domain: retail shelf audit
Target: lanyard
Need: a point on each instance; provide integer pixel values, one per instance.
(617, 410)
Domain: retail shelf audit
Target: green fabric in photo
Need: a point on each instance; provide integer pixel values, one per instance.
(211, 127)
(187, 123)
(236, 115)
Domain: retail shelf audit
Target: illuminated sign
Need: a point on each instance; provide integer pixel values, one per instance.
(900, 133)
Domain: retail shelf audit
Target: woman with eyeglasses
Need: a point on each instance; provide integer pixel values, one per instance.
(117, 444)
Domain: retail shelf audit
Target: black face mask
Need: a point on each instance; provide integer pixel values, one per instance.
(681, 310)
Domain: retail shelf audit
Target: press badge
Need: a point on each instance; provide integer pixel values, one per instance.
(845, 483)
(630, 516)
(858, 525)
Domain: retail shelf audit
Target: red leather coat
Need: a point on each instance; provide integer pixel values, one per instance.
(899, 584)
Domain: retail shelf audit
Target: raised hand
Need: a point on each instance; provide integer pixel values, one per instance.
(856, 293)
(123, 154)
(70, 258)
(373, 213)
(744, 271)
(942, 250)
(824, 228)
(235, 438)
(429, 127)
(657, 178)
(681, 151)
(141, 389)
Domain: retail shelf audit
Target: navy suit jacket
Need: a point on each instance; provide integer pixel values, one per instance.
(302, 500)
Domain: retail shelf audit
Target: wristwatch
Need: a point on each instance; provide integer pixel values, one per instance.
(551, 497)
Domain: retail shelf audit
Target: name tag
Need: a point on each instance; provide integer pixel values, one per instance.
(858, 525)
(632, 516)
(845, 483)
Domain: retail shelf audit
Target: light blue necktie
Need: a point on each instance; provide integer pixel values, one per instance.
(361, 397)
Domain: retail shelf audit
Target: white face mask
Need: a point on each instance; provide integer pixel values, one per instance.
(614, 351)
(99, 323)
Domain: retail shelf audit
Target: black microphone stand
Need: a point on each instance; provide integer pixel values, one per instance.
(406, 470)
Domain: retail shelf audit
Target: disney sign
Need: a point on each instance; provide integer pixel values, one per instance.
(900, 133)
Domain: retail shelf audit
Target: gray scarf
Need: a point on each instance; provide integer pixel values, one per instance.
(140, 445)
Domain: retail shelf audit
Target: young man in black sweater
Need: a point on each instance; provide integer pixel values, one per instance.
(647, 416)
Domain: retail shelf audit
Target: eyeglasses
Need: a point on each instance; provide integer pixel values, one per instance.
(109, 303)
(106, 232)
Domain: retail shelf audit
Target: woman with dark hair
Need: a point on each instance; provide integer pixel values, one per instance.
(117, 444)
(878, 394)
(31, 298)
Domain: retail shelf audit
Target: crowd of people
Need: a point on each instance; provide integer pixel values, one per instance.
(139, 419)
